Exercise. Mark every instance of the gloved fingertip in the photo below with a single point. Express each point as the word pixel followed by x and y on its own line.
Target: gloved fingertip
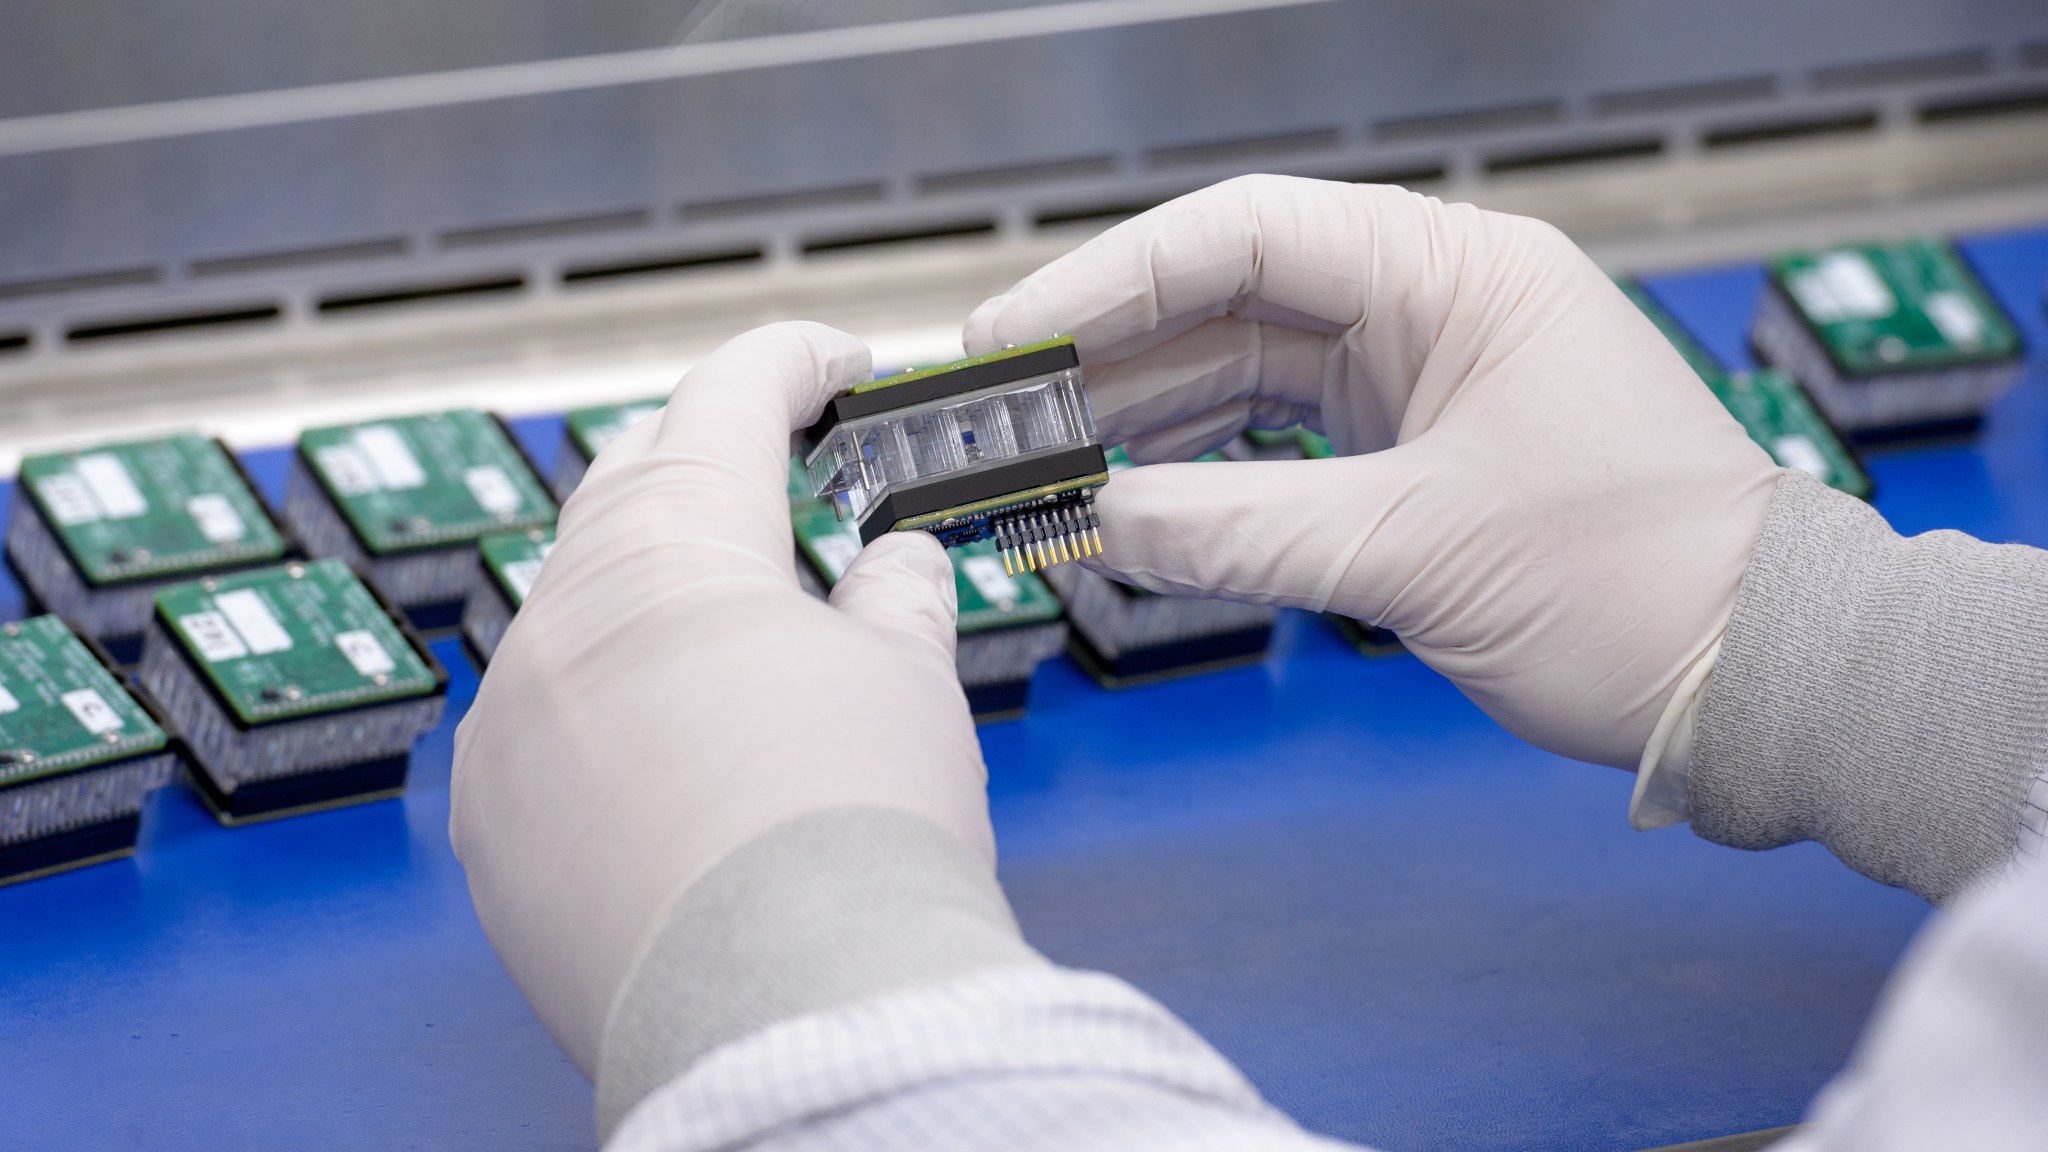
pixel 978 335
pixel 902 582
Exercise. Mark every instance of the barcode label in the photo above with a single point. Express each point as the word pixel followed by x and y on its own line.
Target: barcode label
pixel 987 575
pixel 520 575
pixel 348 471
pixel 493 490
pixel 92 710
pixel 217 519
pixel 251 617
pixel 68 499
pixel 1801 454
pixel 395 465
pixel 112 488
pixel 363 651
pixel 1842 286
pixel 835 552
pixel 209 632
pixel 1957 318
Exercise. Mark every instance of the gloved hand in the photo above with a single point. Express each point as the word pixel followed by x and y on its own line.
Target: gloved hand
pixel 667 693
pixel 1535 492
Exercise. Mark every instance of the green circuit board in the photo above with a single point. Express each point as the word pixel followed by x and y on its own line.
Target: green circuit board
pixel 1910 306
pixel 594 427
pixel 294 640
pixel 60 709
pixel 1696 354
pixel 513 559
pixel 989 597
pixel 1778 415
pixel 427 481
pixel 141 509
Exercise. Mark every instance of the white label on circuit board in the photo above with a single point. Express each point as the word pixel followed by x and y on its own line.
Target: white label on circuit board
pixel 68 499
pixel 521 574
pixel 987 575
pixel 346 469
pixel 1957 318
pixel 835 552
pixel 215 640
pixel 7 701
pixel 251 617
pixel 1801 454
pixel 604 434
pixel 1842 286
pixel 395 465
pixel 92 710
pixel 112 488
pixel 217 519
pixel 364 652
pixel 493 490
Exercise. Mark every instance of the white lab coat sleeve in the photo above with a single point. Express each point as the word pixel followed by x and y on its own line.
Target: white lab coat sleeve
pixel 854 979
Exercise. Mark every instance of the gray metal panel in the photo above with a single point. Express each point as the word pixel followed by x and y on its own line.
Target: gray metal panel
pixel 999 132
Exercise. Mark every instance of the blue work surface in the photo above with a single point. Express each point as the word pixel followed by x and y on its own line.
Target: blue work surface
pixel 1405 926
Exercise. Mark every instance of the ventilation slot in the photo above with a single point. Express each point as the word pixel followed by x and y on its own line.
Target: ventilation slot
pixel 907 236
pixel 1404 175
pixel 422 294
pixel 1465 123
pixel 1983 107
pixel 82 282
pixel 531 230
pixel 149 325
pixel 1844 123
pixel 983 179
pixel 1106 212
pixel 1587 153
pixel 301 257
pixel 13 341
pixel 1243 148
pixel 660 265
pixel 786 201
pixel 1679 97
pixel 1909 70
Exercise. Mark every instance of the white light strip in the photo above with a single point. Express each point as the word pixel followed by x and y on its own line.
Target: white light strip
pixel 169 118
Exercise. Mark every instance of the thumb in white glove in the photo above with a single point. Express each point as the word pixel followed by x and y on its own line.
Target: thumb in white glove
pixel 667 692
pixel 1540 497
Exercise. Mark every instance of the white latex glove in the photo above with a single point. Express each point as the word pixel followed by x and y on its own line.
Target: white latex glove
pixel 667 693
pixel 1536 493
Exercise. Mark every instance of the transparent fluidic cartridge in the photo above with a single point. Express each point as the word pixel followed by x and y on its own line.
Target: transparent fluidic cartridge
pixel 998 447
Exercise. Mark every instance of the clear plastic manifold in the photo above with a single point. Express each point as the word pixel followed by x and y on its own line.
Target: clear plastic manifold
pixel 953 450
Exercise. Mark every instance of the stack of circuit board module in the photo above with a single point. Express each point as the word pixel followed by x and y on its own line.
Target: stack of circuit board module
pixel 1009 621
pixel 94 533
pixel 294 687
pixel 1894 341
pixel 999 447
pixel 585 432
pixel 405 500
pixel 1124 635
pixel 1770 405
pixel 511 562
pixel 78 753
pixel 1298 443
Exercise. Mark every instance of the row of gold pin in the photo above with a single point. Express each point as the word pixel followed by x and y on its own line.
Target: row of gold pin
pixel 1033 540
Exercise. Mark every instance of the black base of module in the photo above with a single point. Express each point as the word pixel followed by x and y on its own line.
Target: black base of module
pixel 93 844
pixel 339 787
pixel 991 703
pixel 438 616
pixel 1929 433
pixel 1173 660
pixel 1368 640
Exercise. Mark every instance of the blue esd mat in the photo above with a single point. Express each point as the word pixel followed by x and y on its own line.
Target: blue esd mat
pixel 1405 926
